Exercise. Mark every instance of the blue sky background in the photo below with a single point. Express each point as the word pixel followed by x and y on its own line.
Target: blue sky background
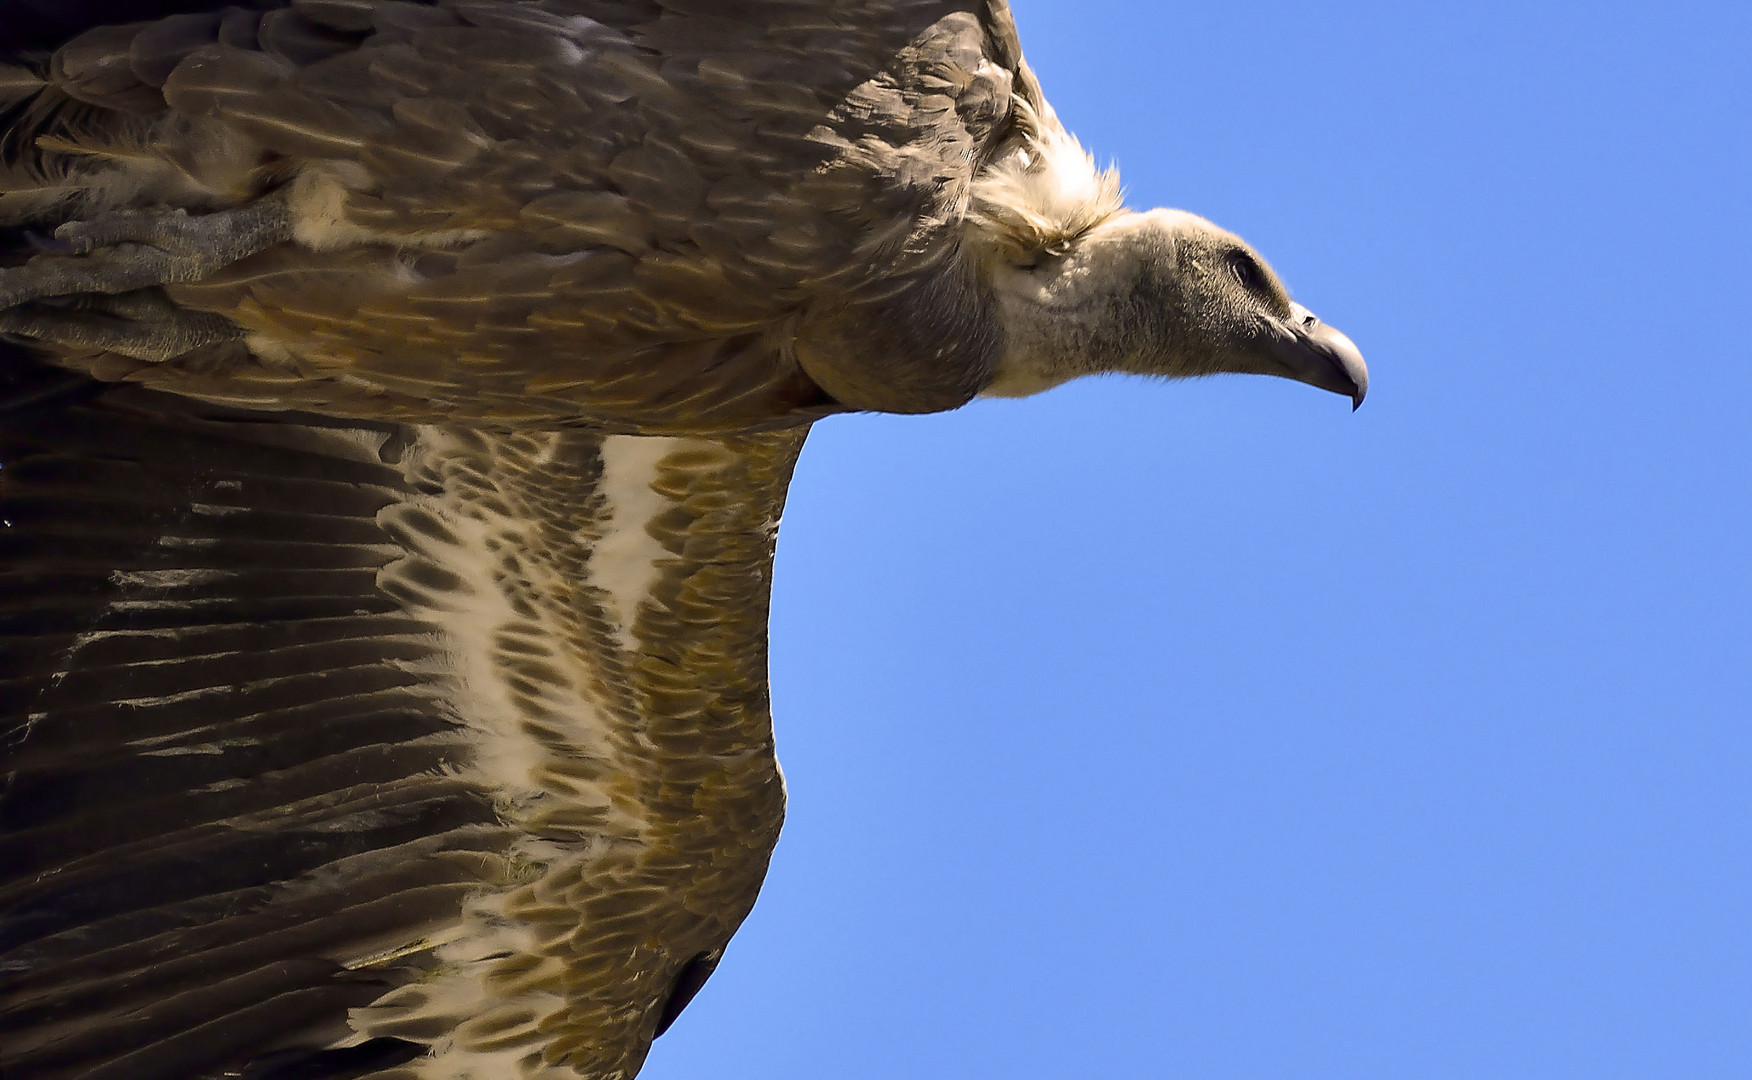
pixel 1208 730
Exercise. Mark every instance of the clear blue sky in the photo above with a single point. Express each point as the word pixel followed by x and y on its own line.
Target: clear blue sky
pixel 1210 731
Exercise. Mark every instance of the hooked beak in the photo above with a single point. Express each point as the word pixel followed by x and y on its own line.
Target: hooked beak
pixel 1310 351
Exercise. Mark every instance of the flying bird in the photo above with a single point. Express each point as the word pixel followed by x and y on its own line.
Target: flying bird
pixel 398 414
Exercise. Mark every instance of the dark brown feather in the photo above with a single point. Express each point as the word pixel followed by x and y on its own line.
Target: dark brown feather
pixel 764 167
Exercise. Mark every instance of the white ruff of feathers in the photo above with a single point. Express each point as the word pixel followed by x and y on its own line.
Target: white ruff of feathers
pixel 1037 199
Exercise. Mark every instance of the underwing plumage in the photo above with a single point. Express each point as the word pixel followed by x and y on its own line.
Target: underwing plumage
pixel 397 401
pixel 322 734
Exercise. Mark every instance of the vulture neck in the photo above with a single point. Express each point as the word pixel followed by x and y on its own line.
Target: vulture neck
pixel 1099 307
pixel 1033 218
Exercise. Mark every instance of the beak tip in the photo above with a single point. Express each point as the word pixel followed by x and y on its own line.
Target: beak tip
pixel 1350 362
pixel 1320 355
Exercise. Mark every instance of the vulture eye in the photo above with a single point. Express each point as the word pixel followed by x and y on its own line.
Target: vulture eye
pixel 1247 272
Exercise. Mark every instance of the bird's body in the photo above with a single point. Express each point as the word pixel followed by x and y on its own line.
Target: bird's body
pixel 425 729
pixel 652 218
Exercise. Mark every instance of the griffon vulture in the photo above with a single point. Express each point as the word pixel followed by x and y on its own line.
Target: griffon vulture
pixel 399 406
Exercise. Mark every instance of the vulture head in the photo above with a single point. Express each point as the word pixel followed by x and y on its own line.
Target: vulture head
pixel 1084 286
pixel 1160 293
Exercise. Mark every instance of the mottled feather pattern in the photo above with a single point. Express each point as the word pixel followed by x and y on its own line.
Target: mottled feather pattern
pixel 673 201
pixel 629 742
pixel 493 810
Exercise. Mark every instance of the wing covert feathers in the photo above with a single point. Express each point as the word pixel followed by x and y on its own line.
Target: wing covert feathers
pixel 334 748
pixel 654 215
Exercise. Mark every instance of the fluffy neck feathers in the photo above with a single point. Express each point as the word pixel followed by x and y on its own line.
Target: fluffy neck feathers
pixel 1042 194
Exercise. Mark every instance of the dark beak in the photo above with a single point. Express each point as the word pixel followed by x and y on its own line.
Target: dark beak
pixel 1310 351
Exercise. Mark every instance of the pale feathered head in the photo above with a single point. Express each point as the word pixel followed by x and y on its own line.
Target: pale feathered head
pixel 1085 286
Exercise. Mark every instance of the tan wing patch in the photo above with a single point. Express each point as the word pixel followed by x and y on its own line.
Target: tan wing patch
pixel 603 601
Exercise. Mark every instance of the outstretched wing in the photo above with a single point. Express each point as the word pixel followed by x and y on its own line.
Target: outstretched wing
pixel 663 215
pixel 333 747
